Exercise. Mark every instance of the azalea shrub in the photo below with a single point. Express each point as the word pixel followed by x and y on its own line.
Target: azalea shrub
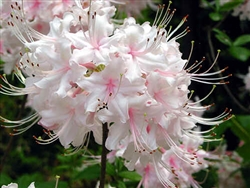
pixel 124 93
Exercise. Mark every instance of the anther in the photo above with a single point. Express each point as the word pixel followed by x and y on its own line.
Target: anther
pixel 185 18
pixel 213 134
pixel 224 69
pixel 35 137
pixel 226 110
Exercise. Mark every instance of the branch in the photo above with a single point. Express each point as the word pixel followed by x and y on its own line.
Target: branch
pixel 104 154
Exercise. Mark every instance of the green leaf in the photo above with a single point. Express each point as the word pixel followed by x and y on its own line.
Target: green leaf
pixel 89 173
pixel 211 177
pixel 51 184
pixel 110 169
pixel 230 5
pixel 244 152
pixel 207 4
pixel 4 179
pixel 130 175
pixel 239 53
pixel 241 127
pixel 1 61
pixel 241 40
pixel 121 184
pixel 217 4
pixel 25 180
pixel 245 170
pixel 215 16
pixel 244 120
pixel 119 163
pixel 223 37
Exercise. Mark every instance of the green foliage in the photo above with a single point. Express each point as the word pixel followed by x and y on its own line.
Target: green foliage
pixel 223 37
pixel 120 174
pixel 242 40
pixel 4 179
pixel 239 53
pixel 209 177
pixel 26 179
pixel 215 16
pixel 121 184
pixel 130 175
pixel 241 127
pixel 235 47
pixel 245 170
pixel 89 173
pixel 230 5
pixel 51 184
pixel 219 11
pixel 244 152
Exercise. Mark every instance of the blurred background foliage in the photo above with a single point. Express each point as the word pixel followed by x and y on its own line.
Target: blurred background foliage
pixel 213 27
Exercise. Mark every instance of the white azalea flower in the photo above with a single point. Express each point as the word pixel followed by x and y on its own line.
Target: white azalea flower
pixel 14 185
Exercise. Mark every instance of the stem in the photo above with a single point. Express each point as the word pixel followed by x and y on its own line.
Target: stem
pixel 104 154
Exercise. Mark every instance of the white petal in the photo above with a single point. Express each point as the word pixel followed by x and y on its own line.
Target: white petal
pixel 11 185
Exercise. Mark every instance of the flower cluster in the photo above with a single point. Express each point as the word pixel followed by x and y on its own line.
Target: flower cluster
pixel 38 14
pixel 88 71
